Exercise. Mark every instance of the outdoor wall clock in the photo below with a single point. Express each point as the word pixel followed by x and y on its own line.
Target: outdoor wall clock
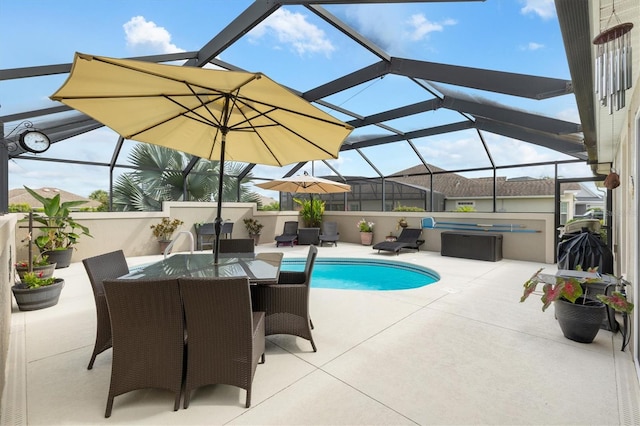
pixel 34 141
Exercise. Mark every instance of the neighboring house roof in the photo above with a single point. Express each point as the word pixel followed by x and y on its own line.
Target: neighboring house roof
pixel 453 185
pixel 585 194
pixel 267 200
pixel 21 196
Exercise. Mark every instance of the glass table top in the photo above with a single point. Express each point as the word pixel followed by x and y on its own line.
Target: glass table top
pixel 262 267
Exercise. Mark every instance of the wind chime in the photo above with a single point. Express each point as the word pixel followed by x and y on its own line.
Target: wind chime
pixel 613 63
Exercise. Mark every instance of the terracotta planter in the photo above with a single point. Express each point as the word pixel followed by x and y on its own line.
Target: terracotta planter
pixel 366 238
pixel 45 270
pixel 62 258
pixel 31 299
pixel 580 322
pixel 163 246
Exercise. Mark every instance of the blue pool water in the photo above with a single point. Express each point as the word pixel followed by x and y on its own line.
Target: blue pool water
pixel 364 274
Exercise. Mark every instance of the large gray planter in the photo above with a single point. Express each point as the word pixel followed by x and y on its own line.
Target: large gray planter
pixel 580 321
pixel 62 258
pixel 31 299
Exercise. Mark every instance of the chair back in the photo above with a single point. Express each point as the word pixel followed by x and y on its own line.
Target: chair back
pixel 329 228
pixel 409 235
pixel 218 316
pixel 105 266
pixel 206 229
pixel 225 338
pixel 237 245
pixel 311 260
pixel 227 229
pixel 290 228
pixel 147 327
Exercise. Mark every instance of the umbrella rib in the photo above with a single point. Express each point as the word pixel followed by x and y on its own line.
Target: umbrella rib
pixel 275 123
pixel 273 107
pixel 213 122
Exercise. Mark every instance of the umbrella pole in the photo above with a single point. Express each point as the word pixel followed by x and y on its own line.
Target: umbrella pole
pixel 218 222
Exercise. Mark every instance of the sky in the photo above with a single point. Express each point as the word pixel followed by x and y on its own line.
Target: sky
pixel 299 50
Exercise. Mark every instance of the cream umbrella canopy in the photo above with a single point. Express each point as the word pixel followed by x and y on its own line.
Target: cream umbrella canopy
pixel 305 184
pixel 212 114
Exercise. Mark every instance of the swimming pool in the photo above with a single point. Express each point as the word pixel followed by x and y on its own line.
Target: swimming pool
pixel 364 274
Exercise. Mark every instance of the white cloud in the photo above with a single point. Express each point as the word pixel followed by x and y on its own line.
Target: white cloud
pixel 145 37
pixel 373 21
pixel 421 27
pixel 532 46
pixel 543 8
pixel 293 29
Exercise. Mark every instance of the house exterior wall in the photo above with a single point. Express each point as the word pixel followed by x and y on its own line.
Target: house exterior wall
pixel 626 159
pixel 7 277
pixel 627 207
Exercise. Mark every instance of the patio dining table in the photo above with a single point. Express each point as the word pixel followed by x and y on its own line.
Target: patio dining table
pixel 260 268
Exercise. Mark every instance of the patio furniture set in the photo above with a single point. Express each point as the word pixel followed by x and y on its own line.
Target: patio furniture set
pixel 291 234
pixel 196 322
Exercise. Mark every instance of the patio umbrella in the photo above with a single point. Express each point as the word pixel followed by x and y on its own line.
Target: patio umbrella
pixel 306 184
pixel 213 114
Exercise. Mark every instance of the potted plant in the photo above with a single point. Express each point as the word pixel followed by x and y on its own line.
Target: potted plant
pixel 59 231
pixel 34 291
pixel 311 211
pixel 253 228
pixel 39 265
pixel 579 316
pixel 366 232
pixel 164 230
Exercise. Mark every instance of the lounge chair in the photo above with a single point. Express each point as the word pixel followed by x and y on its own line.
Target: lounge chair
pixel 409 238
pixel 289 234
pixel 330 233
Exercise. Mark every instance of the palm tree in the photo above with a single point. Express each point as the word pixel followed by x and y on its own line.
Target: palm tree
pixel 158 177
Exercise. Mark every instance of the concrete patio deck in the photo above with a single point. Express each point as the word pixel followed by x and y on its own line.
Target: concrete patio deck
pixel 460 351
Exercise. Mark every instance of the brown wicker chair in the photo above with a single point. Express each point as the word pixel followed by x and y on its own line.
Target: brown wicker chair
pixel 105 266
pixel 225 338
pixel 147 323
pixel 286 304
pixel 237 245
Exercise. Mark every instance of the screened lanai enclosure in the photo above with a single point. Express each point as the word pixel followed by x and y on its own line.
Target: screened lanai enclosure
pixel 475 126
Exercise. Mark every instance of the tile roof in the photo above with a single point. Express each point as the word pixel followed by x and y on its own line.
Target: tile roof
pixel 454 185
pixel 21 196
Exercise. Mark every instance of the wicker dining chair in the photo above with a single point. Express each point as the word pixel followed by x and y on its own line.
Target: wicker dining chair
pixel 147 323
pixel 237 245
pixel 105 266
pixel 225 338
pixel 286 304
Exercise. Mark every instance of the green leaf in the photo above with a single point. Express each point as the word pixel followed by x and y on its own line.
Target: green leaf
pixel 616 301
pixel 571 289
